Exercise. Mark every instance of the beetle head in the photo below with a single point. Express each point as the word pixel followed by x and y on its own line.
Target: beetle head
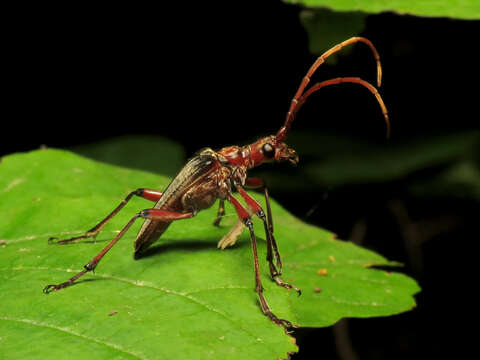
pixel 270 149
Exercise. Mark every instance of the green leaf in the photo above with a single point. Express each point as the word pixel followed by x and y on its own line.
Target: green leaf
pixel 326 29
pixel 461 9
pixel 186 299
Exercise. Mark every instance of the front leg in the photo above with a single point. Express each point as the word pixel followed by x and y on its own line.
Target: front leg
pixel 272 248
pixel 244 216
pixel 231 237
pixel 271 243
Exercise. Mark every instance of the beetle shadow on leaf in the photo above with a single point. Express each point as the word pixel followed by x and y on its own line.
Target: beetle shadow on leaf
pixel 189 246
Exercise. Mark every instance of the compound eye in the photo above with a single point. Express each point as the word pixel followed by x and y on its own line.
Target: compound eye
pixel 268 150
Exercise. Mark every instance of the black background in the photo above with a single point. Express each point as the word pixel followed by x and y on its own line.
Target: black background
pixel 212 76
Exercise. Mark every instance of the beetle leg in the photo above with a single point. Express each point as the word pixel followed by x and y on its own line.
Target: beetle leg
pixel 245 217
pixel 164 215
pixel 230 238
pixel 92 264
pixel 257 209
pixel 148 194
pixel 255 183
pixel 152 214
pixel 272 245
pixel 220 213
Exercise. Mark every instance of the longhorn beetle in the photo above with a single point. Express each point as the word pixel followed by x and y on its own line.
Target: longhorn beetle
pixel 212 175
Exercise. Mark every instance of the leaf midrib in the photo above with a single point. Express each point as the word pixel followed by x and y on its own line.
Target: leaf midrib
pixel 68 331
pixel 140 283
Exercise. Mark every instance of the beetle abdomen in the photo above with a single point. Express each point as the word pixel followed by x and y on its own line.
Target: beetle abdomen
pixel 199 167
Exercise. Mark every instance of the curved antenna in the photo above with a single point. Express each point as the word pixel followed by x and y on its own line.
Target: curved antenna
pixel 335 81
pixel 282 133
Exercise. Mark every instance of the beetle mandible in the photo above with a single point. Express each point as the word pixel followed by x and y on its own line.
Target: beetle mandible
pixel 212 175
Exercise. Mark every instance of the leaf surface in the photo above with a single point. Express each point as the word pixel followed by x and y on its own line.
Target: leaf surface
pixel 185 298
pixel 462 9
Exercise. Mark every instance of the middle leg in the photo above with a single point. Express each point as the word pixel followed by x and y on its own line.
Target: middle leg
pixel 220 213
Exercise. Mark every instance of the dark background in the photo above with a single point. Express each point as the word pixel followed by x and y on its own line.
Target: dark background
pixel 214 76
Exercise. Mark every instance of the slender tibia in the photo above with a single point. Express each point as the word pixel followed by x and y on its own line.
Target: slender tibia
pixel 245 217
pixel 148 194
pixel 258 285
pixel 92 264
pixel 272 248
pixel 255 183
pixel 152 214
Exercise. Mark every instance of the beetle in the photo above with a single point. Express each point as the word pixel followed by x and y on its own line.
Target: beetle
pixel 210 175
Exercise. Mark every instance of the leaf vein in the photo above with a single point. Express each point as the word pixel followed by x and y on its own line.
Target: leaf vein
pixel 71 332
pixel 185 295
pixel 227 287
pixel 48 235
pixel 355 303
pixel 140 283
